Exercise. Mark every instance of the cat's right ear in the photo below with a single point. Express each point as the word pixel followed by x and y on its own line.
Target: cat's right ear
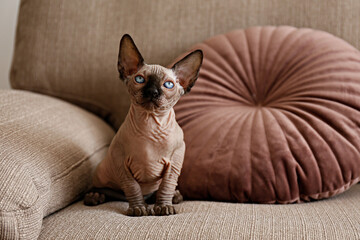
pixel 130 59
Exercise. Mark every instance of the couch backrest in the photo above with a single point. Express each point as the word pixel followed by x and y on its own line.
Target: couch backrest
pixel 69 49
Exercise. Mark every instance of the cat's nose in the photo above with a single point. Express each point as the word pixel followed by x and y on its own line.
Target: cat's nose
pixel 152 93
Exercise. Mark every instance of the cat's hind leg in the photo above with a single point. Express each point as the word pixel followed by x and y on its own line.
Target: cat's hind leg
pixel 178 198
pixel 98 196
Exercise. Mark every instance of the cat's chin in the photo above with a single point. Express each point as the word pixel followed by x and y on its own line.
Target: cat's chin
pixel 150 105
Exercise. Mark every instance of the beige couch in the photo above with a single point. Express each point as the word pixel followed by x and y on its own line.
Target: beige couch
pixel 49 145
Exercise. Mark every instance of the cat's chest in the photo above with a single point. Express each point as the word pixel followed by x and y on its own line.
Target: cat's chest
pixel 148 155
pixel 148 159
pixel 148 145
pixel 151 140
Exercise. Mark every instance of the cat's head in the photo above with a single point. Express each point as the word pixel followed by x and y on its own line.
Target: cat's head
pixel 154 87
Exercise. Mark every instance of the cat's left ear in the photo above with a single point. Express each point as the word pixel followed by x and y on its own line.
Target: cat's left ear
pixel 130 59
pixel 187 69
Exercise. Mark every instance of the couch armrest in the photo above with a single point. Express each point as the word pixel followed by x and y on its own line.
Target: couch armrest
pixel 48 149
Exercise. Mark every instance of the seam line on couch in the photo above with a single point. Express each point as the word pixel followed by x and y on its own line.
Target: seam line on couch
pixel 79 163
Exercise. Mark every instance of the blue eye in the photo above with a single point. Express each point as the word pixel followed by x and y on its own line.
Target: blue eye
pixel 169 84
pixel 139 79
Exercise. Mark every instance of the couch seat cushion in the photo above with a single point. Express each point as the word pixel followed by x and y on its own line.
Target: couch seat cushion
pixel 335 218
pixel 273 117
pixel 48 149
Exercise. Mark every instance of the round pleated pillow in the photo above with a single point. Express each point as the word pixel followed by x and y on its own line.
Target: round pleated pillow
pixel 273 117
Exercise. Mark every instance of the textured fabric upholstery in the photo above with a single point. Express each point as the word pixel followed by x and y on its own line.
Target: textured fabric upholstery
pixel 68 49
pixel 331 219
pixel 273 117
pixel 48 149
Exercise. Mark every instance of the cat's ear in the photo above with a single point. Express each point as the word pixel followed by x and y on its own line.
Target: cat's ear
pixel 130 59
pixel 187 69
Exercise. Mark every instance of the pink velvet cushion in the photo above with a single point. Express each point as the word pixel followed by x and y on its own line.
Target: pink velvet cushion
pixel 273 117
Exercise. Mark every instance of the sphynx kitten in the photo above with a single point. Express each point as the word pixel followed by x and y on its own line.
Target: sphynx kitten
pixel 146 155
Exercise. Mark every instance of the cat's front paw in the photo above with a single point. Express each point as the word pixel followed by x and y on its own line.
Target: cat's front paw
pixel 164 210
pixel 138 211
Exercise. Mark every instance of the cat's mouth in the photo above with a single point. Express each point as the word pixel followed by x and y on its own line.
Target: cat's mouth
pixel 150 104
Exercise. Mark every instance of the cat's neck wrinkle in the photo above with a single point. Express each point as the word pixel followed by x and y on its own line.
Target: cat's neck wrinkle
pixel 151 123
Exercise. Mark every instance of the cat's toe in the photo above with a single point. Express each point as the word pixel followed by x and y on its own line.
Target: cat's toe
pixel 137 211
pixel 178 198
pixel 164 210
pixel 94 198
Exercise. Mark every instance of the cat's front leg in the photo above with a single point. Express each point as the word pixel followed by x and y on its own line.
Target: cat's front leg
pixel 133 194
pixel 165 194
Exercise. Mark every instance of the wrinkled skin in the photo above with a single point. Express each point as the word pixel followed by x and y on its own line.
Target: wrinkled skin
pixel 147 152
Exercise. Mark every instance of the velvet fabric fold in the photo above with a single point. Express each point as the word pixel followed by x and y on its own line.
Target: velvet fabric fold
pixel 273 117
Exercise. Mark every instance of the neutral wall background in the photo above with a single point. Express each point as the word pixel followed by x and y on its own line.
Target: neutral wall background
pixel 8 16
